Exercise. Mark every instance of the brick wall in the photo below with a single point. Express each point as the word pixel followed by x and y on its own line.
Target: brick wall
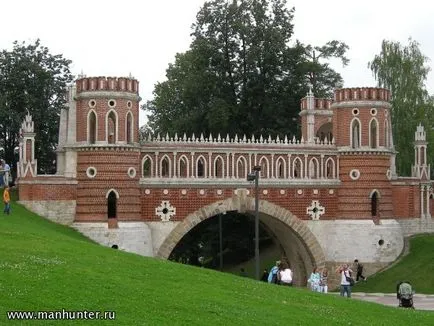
pixel 193 199
pixel 92 192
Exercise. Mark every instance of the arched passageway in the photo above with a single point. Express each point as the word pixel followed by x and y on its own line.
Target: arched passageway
pixel 297 242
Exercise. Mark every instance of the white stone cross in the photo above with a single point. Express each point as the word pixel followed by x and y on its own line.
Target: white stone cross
pixel 315 210
pixel 165 211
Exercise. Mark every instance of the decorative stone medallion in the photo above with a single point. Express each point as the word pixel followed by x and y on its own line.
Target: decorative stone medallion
pixel 315 210
pixel 165 192
pixel 282 191
pixel 219 192
pixel 165 211
pixel 147 191
pixel 265 192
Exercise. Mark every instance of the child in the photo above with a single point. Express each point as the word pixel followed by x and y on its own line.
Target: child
pixel 7 200
pixel 314 280
pixel 323 282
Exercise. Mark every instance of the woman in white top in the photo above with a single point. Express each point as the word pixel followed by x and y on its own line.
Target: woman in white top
pixel 345 272
pixel 285 275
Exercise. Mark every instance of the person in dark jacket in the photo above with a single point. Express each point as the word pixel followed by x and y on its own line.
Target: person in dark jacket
pixel 359 270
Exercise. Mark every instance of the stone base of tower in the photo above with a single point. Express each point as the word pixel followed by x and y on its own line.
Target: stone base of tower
pixel 58 211
pixel 135 237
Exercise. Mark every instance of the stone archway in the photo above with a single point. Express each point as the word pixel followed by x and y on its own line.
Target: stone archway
pixel 298 241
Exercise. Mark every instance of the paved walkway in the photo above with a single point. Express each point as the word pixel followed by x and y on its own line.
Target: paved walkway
pixel 420 301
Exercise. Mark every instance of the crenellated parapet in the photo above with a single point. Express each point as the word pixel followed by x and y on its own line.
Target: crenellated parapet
pixel 362 94
pixel 318 104
pixel 112 84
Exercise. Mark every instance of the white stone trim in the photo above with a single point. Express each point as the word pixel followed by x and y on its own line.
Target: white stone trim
pixel 107 94
pixel 375 191
pixel 109 191
pixel 264 162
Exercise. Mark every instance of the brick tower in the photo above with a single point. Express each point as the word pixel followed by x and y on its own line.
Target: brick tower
pixel 362 129
pixel 99 146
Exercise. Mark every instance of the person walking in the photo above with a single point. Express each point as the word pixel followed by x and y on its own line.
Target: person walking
pixel 7 200
pixel 359 270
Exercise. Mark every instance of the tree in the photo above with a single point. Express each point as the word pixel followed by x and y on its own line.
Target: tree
pixel 33 80
pixel 240 75
pixel 322 78
pixel 403 70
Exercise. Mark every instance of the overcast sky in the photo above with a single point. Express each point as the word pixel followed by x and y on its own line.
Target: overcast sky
pixel 116 38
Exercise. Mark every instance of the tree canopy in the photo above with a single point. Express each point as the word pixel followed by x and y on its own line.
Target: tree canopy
pixel 32 79
pixel 240 74
pixel 403 69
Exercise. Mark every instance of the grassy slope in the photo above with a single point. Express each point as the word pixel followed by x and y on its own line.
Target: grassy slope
pixel 44 266
pixel 417 268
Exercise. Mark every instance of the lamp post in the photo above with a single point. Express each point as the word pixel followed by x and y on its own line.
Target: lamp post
pixel 221 241
pixel 254 176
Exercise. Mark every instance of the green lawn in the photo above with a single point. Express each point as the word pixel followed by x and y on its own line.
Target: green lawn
pixel 417 268
pixel 44 266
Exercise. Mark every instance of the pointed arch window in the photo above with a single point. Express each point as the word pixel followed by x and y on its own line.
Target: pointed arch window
pixel 373 134
pixel 183 167
pixel 374 204
pixel 112 205
pixel 165 167
pixel 356 134
pixel 111 127
pixel 201 168
pixel 298 168
pixel 92 129
pixel 147 168
pixel 241 168
pixel 263 163
pixel 330 168
pixel 129 128
pixel 280 168
pixel 218 167
pixel 313 168
pixel 386 134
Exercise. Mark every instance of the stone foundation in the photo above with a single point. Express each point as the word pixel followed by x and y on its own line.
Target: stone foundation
pixel 417 226
pixel 58 211
pixel 133 237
